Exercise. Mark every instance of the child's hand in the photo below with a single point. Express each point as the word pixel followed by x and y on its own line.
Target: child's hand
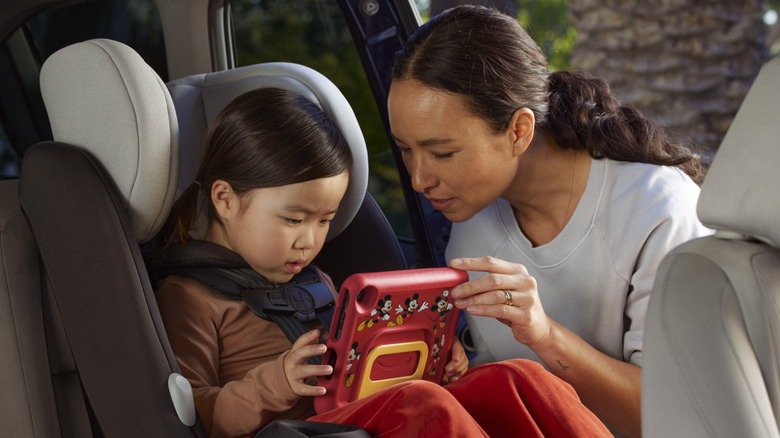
pixel 297 370
pixel 458 365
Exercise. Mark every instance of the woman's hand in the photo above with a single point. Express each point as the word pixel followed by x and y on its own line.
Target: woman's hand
pixel 458 364
pixel 508 293
pixel 298 371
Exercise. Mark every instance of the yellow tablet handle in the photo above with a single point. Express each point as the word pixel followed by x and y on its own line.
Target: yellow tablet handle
pixel 368 386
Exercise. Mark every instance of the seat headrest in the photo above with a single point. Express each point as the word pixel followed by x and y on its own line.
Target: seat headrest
pixel 199 98
pixel 739 192
pixel 101 96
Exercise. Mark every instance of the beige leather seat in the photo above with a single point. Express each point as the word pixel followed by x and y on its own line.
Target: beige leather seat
pixel 712 343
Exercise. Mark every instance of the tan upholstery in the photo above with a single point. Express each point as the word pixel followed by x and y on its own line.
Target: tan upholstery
pixel 712 342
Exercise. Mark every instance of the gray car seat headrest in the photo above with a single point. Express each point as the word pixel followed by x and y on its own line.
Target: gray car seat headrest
pixel 199 98
pixel 744 176
pixel 100 95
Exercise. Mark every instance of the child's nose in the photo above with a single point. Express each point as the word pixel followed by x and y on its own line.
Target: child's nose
pixel 306 239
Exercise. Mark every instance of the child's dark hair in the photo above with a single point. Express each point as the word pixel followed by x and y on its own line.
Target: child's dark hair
pixel 267 137
pixel 487 58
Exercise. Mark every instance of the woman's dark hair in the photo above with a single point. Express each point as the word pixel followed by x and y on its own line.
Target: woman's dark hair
pixel 487 58
pixel 267 137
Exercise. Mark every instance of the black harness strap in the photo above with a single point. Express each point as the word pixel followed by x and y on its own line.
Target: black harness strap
pixel 293 305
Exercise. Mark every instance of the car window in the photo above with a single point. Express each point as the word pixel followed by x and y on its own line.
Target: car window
pixel 314 33
pixel 23 120
pixel 133 22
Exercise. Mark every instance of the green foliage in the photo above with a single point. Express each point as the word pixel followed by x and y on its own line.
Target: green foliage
pixel 547 21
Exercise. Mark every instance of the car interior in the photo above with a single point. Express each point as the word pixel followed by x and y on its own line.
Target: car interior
pixel 712 340
pixel 103 188
pixel 85 354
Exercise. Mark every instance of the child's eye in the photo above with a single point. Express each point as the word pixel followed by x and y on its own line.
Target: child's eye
pixel 326 221
pixel 292 221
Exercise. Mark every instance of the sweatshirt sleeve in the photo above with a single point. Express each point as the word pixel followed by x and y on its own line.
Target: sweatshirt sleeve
pixel 678 224
pixel 237 407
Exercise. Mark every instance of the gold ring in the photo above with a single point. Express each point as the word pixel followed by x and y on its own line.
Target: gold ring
pixel 508 296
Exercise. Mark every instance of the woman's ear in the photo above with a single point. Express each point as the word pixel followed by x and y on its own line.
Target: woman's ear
pixel 521 130
pixel 224 199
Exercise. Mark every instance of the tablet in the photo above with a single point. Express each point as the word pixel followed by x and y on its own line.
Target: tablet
pixel 389 327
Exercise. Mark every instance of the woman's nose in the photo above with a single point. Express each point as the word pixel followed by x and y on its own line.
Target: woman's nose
pixel 422 178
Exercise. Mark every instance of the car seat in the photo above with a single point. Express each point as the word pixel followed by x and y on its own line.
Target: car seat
pixel 368 243
pixel 92 197
pixel 27 402
pixel 105 184
pixel 712 340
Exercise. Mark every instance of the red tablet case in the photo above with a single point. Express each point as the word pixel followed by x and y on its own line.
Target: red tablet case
pixel 389 327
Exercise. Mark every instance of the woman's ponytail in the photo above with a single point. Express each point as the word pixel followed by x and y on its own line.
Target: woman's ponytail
pixel 584 115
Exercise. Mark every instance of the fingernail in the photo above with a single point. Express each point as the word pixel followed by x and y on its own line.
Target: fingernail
pixel 460 303
pixel 456 262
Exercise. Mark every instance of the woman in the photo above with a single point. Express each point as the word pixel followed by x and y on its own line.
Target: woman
pixel 564 200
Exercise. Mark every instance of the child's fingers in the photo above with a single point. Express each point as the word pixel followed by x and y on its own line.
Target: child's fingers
pixel 302 354
pixel 305 390
pixel 300 374
pixel 307 338
pixel 317 370
pixel 458 364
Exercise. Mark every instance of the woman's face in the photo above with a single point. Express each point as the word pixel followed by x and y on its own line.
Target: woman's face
pixel 453 157
pixel 279 230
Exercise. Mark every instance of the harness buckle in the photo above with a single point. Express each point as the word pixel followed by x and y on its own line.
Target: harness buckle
pixel 302 301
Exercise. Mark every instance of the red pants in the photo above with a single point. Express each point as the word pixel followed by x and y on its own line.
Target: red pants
pixel 516 398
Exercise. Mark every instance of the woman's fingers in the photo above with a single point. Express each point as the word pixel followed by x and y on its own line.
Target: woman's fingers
pixel 529 324
pixel 506 292
pixel 485 264
pixel 500 275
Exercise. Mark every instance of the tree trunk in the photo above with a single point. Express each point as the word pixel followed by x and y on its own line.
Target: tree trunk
pixel 686 64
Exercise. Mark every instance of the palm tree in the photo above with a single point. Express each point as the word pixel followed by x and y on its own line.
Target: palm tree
pixel 688 64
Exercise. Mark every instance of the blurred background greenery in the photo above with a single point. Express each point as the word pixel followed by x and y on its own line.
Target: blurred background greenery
pixel 570 32
pixel 313 33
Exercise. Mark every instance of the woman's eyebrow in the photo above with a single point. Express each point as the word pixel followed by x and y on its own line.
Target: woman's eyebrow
pixel 428 141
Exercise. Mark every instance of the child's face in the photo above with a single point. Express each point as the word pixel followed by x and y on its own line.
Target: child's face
pixel 280 230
